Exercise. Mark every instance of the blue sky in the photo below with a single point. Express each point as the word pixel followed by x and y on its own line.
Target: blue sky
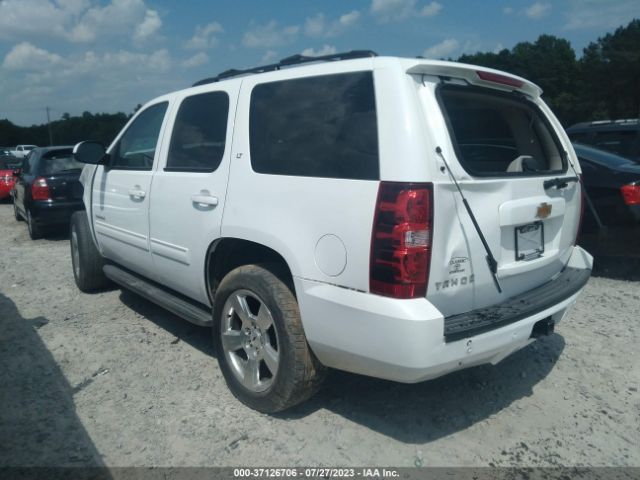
pixel 110 55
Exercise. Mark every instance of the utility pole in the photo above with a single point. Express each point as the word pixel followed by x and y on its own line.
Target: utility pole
pixel 49 125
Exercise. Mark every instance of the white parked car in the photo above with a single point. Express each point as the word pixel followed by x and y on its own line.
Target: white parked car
pixel 21 151
pixel 393 217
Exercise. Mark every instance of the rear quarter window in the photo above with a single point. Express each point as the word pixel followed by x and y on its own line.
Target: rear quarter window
pixel 324 126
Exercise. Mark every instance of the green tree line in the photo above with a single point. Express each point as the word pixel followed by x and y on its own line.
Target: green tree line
pixel 66 131
pixel 604 83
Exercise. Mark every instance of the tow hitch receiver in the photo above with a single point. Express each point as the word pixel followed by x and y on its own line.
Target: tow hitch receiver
pixel 542 328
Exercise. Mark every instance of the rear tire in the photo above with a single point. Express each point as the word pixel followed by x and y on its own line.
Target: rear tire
pixel 85 257
pixel 35 231
pixel 16 214
pixel 257 329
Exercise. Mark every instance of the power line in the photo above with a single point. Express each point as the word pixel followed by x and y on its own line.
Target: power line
pixel 49 126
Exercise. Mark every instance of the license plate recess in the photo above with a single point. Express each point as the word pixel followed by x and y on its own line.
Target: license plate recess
pixel 529 241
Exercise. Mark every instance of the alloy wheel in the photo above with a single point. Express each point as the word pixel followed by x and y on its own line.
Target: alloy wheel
pixel 250 340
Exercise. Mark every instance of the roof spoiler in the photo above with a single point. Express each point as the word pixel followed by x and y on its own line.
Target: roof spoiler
pixel 476 75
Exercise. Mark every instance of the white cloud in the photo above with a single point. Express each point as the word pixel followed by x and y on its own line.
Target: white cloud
pixel 507 10
pixel 26 56
pixel 315 26
pixel 148 27
pixel 430 10
pixel 198 59
pixel 270 35
pixel 442 49
pixel 269 56
pixel 205 37
pixel 395 10
pixel 325 50
pixel 122 63
pixel 93 81
pixel 77 20
pixel 585 14
pixel 28 18
pixel 349 19
pixel 319 26
pixel 537 10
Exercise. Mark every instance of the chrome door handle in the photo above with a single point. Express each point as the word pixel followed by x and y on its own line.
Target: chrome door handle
pixel 137 193
pixel 204 200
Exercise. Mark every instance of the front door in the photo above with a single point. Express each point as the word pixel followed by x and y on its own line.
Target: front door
pixel 121 191
pixel 189 189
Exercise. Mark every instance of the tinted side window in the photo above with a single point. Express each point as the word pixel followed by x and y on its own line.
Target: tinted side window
pixel 322 126
pixel 137 147
pixel 199 133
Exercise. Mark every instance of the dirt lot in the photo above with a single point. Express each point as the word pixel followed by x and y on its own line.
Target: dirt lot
pixel 111 379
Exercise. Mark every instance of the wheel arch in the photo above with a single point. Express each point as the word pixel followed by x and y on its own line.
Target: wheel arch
pixel 226 253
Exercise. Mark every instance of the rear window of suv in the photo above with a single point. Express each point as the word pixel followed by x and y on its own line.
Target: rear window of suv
pixel 322 126
pixel 497 134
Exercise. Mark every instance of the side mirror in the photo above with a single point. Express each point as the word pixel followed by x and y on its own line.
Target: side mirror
pixel 90 152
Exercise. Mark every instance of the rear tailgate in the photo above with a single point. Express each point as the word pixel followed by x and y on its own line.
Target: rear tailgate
pixel 507 153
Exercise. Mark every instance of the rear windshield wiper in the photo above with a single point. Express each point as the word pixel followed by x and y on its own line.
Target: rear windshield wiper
pixel 491 260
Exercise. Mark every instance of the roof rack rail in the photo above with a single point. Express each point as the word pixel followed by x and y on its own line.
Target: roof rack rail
pixel 288 62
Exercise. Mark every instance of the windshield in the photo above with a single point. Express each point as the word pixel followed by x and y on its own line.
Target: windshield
pixel 498 134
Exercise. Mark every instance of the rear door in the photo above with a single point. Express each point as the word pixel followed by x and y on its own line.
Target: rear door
pixel 189 188
pixel 505 151
pixel 121 192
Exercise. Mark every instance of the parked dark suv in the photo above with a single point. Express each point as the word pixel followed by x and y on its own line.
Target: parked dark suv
pixel 621 137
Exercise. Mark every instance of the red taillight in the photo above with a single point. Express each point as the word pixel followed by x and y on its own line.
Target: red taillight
pixel 497 78
pixel 40 189
pixel 631 193
pixel 401 240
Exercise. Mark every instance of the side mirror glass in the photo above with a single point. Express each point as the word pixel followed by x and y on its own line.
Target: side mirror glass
pixel 90 152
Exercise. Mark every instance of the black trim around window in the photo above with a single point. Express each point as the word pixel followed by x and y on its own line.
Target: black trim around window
pixel 513 96
pixel 109 165
pixel 190 169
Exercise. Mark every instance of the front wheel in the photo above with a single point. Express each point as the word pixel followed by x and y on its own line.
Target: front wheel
pixel 262 349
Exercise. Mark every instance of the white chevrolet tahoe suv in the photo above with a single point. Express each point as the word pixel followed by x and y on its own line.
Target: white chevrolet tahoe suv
pixel 393 217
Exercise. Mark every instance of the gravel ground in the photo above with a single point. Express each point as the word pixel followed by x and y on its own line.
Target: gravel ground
pixel 110 379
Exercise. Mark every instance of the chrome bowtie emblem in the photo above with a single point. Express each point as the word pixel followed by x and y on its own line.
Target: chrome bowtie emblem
pixel 544 210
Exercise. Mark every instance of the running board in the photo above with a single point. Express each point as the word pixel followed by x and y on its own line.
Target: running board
pixel 160 296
